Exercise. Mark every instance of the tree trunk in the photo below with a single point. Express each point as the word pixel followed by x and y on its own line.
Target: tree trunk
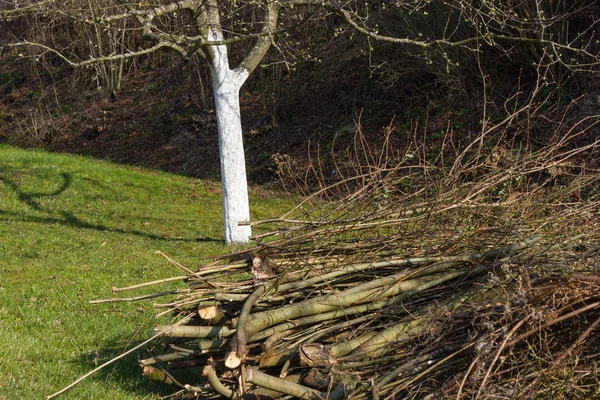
pixel 233 163
pixel 226 88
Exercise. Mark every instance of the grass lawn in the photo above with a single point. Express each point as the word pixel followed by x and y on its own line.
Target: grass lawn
pixel 71 228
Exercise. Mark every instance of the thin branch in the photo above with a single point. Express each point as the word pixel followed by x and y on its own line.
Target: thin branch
pixel 154 11
pixel 487 37
pixel 96 60
pixel 157 282
pixel 124 299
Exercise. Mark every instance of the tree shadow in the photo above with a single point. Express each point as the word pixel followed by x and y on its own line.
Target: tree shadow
pixel 127 370
pixel 72 221
pixel 29 198
pixel 68 218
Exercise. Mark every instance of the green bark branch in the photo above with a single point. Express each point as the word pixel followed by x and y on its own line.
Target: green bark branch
pixel 193 331
pixel 216 384
pixel 261 379
pixel 238 346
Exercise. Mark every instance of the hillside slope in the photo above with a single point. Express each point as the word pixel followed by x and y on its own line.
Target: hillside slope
pixel 71 229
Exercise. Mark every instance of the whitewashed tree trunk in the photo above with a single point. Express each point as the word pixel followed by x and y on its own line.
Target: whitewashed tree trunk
pixel 227 83
pixel 226 88
pixel 233 163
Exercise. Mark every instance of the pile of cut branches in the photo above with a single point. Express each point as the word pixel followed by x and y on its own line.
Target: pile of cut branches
pixel 477 325
pixel 475 278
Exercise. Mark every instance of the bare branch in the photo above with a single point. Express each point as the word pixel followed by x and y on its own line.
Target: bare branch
pixel 154 12
pixel 488 37
pixel 28 9
pixel 112 57
pixel 261 47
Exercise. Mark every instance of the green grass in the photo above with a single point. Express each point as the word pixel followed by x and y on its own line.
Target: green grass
pixel 71 228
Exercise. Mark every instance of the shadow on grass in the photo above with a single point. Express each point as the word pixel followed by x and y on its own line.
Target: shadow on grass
pixel 72 221
pixel 29 198
pixel 68 218
pixel 126 373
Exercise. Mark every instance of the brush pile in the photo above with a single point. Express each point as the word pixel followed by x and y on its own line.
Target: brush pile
pixel 470 276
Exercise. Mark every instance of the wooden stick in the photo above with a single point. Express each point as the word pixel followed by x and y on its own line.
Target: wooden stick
pixel 175 263
pixel 122 299
pixel 157 282
pixel 286 387
pixel 193 331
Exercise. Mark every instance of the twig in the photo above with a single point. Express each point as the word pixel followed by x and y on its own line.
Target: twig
pixel 555 321
pixel 578 342
pixel 123 299
pixel 464 380
pixel 157 282
pixel 431 368
pixel 175 263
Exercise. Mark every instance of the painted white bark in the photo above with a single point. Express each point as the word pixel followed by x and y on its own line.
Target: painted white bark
pixel 226 87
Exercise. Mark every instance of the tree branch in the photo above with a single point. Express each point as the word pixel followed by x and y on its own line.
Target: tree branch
pixel 489 37
pixel 261 47
pixel 28 9
pixel 153 12
pixel 96 60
